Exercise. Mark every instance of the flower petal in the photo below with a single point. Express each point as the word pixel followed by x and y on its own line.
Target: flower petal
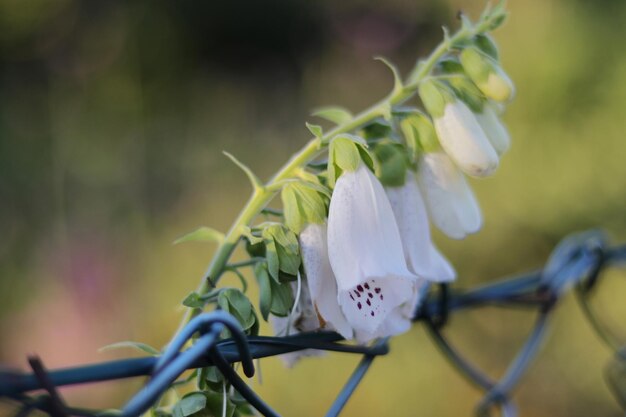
pixel 369 305
pixel 422 257
pixel 320 278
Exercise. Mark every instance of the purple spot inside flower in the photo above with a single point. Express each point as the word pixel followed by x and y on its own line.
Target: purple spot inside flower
pixel 359 305
pixel 381 296
pixel 372 313
pixel 370 295
pixel 359 288
pixel 366 285
pixel 377 290
pixel 368 302
pixel 351 297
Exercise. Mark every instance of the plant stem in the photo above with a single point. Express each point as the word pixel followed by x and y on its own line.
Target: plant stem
pixel 263 195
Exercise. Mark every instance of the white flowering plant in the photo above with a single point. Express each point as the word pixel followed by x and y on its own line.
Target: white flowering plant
pixel 351 249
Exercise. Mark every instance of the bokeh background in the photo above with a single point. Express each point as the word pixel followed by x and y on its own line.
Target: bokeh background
pixel 113 117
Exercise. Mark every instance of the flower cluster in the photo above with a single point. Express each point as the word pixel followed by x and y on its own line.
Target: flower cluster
pixel 352 250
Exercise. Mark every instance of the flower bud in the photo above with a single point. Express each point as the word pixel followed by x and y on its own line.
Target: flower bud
pixel 450 202
pixel 487 74
pixel 458 130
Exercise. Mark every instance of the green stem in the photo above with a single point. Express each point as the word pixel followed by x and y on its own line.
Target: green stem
pixel 263 195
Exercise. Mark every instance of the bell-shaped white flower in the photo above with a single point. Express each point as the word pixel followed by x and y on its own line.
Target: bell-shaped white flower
pixel 462 137
pixel 375 288
pixel 422 257
pixel 321 281
pixel 495 130
pixel 450 202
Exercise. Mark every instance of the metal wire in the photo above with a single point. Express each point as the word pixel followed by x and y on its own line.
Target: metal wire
pixel 578 261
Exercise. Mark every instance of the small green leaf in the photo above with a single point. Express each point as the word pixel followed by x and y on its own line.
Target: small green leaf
pixel 397 80
pixel 271 254
pixel 282 298
pixel 316 130
pixel 393 163
pixel 287 250
pixel 202 234
pixel 132 345
pixel 303 205
pixel 265 289
pixel 336 115
pixel 247 233
pixel 193 300
pixel 237 304
pixel 192 403
pixel 254 180
pixel 215 404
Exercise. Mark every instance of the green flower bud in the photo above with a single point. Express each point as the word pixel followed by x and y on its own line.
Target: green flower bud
pixel 419 133
pixel 487 75
pixel 435 95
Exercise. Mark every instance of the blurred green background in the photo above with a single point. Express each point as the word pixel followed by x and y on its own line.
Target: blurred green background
pixel 113 117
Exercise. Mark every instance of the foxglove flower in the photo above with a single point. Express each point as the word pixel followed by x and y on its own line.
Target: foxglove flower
pixel 450 201
pixel 458 131
pixel 422 257
pixel 375 290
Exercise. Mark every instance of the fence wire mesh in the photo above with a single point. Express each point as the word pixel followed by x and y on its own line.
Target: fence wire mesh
pixel 576 263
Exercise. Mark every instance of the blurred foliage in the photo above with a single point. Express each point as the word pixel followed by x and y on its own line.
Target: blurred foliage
pixel 113 116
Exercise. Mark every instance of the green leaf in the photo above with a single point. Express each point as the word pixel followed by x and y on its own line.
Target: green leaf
pixel 377 129
pixel 333 114
pixel 247 233
pixel 271 254
pixel 202 234
pixel 316 130
pixel 254 180
pixel 265 289
pixel 132 345
pixel 237 304
pixel 397 80
pixel 393 163
pixel 215 405
pixel 287 248
pixel 282 298
pixel 193 300
pixel 192 403
pixel 303 205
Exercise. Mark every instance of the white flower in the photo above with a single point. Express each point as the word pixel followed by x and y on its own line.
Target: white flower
pixel 375 289
pixel 495 130
pixel 321 279
pixel 450 201
pixel 465 141
pixel 422 257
